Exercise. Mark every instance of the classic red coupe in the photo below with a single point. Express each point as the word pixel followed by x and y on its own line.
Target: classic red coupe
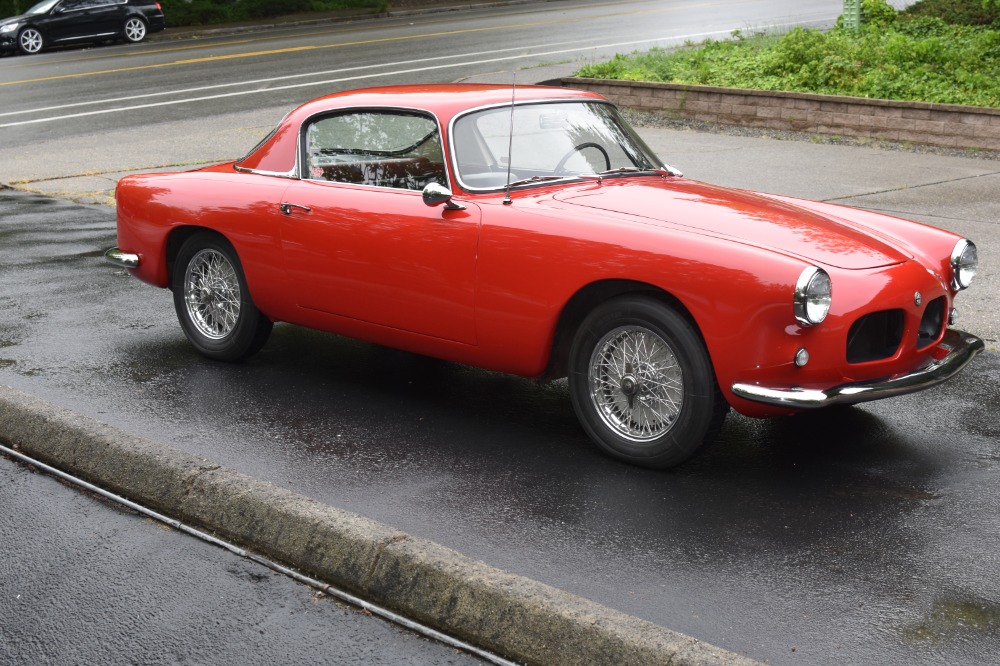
pixel 531 231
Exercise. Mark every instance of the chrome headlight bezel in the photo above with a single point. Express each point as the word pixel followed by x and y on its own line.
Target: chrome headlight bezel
pixel 10 27
pixel 813 296
pixel 964 263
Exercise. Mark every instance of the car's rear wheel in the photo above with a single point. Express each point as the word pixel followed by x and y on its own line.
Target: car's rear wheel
pixel 212 300
pixel 642 383
pixel 30 41
pixel 134 30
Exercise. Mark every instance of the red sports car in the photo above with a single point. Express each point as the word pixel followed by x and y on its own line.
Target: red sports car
pixel 532 231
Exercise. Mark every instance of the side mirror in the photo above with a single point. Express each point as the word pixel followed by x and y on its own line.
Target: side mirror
pixel 435 194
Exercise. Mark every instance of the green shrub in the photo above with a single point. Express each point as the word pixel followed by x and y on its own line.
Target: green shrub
pixel 916 58
pixel 206 12
pixel 957 12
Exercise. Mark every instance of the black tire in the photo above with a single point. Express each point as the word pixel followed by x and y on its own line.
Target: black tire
pixel 134 30
pixel 654 404
pixel 30 41
pixel 212 300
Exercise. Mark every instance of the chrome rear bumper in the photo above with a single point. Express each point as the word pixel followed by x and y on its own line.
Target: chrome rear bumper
pixel 121 259
pixel 959 347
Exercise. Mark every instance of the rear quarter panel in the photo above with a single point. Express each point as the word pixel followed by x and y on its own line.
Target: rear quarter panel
pixel 153 208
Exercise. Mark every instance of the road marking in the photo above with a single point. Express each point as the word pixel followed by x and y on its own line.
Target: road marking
pixel 252 82
pixel 327 82
pixel 365 42
pixel 393 22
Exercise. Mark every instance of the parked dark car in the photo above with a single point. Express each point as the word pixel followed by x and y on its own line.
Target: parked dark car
pixel 58 22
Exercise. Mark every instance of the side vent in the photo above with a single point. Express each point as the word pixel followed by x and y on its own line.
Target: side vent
pixel 932 323
pixel 875 336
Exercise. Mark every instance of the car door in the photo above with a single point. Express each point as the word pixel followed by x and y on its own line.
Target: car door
pixel 104 17
pixel 358 240
pixel 63 21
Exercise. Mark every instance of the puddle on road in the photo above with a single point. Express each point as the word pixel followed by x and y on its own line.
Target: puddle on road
pixel 952 618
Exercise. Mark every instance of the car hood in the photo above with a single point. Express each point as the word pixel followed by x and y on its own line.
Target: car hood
pixel 743 216
pixel 13 19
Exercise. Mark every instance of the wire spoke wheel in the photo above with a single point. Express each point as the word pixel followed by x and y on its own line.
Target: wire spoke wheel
pixel 212 294
pixel 636 383
pixel 213 301
pixel 642 383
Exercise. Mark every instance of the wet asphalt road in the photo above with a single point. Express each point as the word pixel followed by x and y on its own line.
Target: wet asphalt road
pixel 868 535
pixel 865 535
pixel 83 581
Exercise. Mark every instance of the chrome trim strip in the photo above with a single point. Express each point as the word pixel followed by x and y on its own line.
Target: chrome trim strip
pixel 275 174
pixel 121 259
pixel 961 348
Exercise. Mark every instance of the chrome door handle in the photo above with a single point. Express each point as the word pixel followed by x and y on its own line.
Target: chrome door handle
pixel 286 208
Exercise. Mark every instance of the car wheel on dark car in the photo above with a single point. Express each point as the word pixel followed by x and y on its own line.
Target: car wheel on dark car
pixel 642 384
pixel 134 30
pixel 212 300
pixel 30 41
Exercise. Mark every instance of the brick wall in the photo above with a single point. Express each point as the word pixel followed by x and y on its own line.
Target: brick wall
pixel 917 122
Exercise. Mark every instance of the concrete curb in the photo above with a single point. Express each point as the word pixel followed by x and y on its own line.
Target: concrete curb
pixel 513 616
pixel 948 125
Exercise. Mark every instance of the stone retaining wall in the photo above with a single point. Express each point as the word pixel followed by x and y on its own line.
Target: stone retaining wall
pixel 917 122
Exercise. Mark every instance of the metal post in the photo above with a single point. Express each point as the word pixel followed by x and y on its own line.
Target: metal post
pixel 852 14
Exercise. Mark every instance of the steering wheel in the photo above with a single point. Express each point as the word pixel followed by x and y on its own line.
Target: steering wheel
pixel 589 144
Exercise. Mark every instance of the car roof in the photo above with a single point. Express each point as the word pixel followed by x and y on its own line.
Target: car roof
pixel 276 154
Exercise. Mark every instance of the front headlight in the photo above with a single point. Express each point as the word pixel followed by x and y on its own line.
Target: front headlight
pixel 813 294
pixel 964 262
pixel 10 27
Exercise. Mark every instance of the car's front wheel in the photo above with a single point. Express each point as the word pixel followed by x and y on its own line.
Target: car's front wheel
pixel 134 30
pixel 30 41
pixel 212 300
pixel 642 383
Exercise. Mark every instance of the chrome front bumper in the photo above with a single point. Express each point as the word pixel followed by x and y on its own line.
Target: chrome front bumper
pixel 121 259
pixel 960 347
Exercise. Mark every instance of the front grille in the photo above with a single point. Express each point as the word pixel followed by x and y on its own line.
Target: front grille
pixel 875 336
pixel 932 323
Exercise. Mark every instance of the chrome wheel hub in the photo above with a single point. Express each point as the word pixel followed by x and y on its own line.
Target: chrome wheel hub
pixel 636 384
pixel 212 294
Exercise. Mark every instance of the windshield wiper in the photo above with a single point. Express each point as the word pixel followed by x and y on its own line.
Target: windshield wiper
pixel 627 169
pixel 665 171
pixel 537 179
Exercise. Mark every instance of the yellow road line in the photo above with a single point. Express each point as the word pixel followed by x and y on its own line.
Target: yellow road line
pixel 335 31
pixel 254 54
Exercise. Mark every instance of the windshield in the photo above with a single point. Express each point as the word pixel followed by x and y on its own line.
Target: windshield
pixel 550 141
pixel 42 7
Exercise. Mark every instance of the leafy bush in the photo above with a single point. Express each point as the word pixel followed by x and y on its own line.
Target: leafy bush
pixel 958 12
pixel 892 56
pixel 13 7
pixel 206 12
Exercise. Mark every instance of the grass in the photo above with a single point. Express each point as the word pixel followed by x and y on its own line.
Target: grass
pixel 906 56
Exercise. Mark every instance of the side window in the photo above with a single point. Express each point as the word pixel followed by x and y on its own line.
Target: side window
pixel 396 149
